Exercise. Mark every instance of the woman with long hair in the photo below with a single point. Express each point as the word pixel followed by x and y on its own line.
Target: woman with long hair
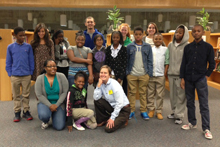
pixel 43 48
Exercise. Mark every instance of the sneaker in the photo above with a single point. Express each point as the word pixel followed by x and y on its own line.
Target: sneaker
pixel 145 116
pixel 78 127
pixel 151 113
pixel 131 115
pixel 159 116
pixel 44 125
pixel 208 134
pixel 171 116
pixel 27 115
pixel 188 126
pixel 17 117
pixel 178 121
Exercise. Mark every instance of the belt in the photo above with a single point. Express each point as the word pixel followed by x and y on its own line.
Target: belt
pixel 126 106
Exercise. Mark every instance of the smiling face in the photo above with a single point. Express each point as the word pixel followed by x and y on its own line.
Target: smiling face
pixel 79 82
pixel 41 33
pixel 179 34
pixel 60 37
pixel 80 41
pixel 90 23
pixel 104 75
pixel 20 37
pixel 51 68
pixel 158 40
pixel 151 30
pixel 116 38
pixel 99 42
pixel 124 31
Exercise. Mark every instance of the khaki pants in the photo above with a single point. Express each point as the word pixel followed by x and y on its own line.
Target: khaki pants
pixel 156 88
pixel 142 82
pixel 177 97
pixel 83 112
pixel 25 82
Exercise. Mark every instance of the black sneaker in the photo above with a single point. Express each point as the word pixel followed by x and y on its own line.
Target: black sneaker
pixel 27 115
pixel 17 117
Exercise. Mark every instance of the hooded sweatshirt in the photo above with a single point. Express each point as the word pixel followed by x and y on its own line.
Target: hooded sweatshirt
pixel 176 53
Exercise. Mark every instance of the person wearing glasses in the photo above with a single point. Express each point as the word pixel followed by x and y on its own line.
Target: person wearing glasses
pixel 51 89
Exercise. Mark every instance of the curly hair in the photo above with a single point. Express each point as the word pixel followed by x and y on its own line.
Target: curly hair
pixel 128 27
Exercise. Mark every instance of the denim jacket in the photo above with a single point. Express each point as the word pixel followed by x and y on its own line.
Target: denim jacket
pixel 146 56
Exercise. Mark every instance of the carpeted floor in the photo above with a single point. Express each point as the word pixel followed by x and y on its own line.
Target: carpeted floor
pixel 138 133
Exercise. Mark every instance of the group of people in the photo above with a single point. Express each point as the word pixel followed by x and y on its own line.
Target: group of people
pixel 62 73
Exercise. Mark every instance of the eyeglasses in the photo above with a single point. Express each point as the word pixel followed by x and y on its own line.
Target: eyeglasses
pixel 51 66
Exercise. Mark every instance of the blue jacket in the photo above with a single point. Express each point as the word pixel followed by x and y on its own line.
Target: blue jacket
pixel 19 60
pixel 146 56
pixel 90 42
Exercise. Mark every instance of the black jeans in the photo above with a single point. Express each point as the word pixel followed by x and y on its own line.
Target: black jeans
pixel 202 90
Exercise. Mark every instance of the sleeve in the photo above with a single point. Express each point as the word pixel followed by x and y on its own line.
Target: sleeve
pixel 183 64
pixel 57 52
pixel 150 63
pixel 69 109
pixel 64 83
pixel 211 61
pixel 52 50
pixel 119 103
pixel 9 62
pixel 123 63
pixel 39 92
pixel 31 60
pixel 167 57
pixel 97 93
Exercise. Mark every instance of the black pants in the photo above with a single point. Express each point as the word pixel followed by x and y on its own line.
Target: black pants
pixel 63 70
pixel 103 112
pixel 125 85
pixel 202 90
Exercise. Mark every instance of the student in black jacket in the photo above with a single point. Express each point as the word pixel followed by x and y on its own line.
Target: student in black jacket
pixel 116 57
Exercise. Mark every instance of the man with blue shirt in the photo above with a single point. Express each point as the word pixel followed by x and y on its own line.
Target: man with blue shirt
pixel 90 32
pixel 20 67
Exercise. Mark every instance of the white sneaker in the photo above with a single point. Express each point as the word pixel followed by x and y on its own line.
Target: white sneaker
pixel 188 127
pixel 208 134
pixel 44 125
pixel 78 127
pixel 170 116
pixel 178 121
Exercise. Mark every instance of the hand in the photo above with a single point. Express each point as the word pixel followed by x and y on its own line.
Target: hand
pixel 53 107
pixel 119 81
pixel 70 128
pixel 90 80
pixel 182 84
pixel 99 83
pixel 89 61
pixel 110 123
pixel 206 77
pixel 57 41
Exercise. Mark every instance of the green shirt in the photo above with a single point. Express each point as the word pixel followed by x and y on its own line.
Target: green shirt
pixel 52 92
pixel 127 41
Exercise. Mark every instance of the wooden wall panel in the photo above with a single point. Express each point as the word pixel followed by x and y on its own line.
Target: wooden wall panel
pixel 110 3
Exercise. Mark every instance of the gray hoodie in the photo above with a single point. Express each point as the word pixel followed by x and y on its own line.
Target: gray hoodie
pixel 176 53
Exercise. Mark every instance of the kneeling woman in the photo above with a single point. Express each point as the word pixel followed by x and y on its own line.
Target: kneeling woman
pixel 113 108
pixel 51 90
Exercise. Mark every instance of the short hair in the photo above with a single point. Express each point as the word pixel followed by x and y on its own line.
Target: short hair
pixel 80 74
pixel 109 69
pixel 121 37
pixel 198 25
pixel 80 33
pixel 96 37
pixel 125 25
pixel 154 26
pixel 138 29
pixel 90 17
pixel 46 62
pixel 158 34
pixel 17 30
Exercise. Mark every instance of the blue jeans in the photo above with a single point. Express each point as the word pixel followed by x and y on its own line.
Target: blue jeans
pixel 58 117
pixel 202 90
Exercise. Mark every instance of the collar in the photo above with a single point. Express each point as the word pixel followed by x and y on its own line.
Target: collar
pixel 83 90
pixel 109 81
pixel 93 33
pixel 100 48
pixel 200 42
pixel 18 43
pixel 118 48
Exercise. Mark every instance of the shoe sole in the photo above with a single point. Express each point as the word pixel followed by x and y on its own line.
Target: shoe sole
pixel 17 120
